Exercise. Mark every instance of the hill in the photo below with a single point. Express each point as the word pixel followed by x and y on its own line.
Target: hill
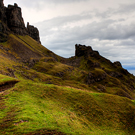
pixel 42 93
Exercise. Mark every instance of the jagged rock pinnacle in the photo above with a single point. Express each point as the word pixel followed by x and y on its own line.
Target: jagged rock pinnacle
pixel 11 19
pixel 14 20
pixel 33 32
pixel 82 50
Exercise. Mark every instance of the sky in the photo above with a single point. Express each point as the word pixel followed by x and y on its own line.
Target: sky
pixel 108 26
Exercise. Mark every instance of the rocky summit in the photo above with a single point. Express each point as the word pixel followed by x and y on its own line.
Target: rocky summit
pixel 12 21
pixel 42 93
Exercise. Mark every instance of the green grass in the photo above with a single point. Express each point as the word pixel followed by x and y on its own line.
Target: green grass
pixel 38 106
pixel 4 79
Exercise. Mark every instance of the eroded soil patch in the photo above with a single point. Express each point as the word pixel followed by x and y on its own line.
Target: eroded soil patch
pixel 7 85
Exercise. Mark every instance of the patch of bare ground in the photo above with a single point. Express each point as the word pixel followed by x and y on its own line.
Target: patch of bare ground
pixel 7 85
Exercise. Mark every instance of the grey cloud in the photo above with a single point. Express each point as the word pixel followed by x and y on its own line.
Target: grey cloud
pixel 126 9
pixel 103 30
pixel 114 41
pixel 42 3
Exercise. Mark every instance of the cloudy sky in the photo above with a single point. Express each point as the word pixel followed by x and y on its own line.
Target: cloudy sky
pixel 106 25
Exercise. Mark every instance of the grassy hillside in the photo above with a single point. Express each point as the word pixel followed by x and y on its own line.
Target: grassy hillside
pixel 30 106
pixel 43 93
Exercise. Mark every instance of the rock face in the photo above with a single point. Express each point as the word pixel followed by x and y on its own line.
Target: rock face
pixel 33 32
pixel 92 78
pixel 3 28
pixel 2 12
pixel 11 20
pixel 3 31
pixel 92 64
pixel 117 64
pixel 15 21
pixel 1 3
pixel 86 51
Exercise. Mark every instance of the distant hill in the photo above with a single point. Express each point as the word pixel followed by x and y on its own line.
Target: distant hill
pixel 42 93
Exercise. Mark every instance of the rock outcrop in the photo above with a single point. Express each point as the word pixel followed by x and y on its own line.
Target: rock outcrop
pixel 92 77
pixel 11 20
pixel 3 32
pixel 117 64
pixel 15 21
pixel 2 12
pixel 86 51
pixel 33 32
pixel 3 20
pixel 1 3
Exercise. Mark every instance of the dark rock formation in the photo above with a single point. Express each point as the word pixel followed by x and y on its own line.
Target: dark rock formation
pixel 86 51
pixel 81 50
pixel 32 62
pixel 3 32
pixel 117 64
pixel 15 21
pixel 2 12
pixel 1 3
pixel 92 64
pixel 33 32
pixel 3 27
pixel 11 20
pixel 114 74
pixel 91 78
pixel 101 88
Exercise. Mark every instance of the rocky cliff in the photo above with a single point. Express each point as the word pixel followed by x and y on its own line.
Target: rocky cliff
pixel 11 20
pixel 33 32
pixel 15 21
pixel 2 11
pixel 82 50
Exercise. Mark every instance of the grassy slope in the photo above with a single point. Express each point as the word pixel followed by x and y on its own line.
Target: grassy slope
pixel 56 98
pixel 46 106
